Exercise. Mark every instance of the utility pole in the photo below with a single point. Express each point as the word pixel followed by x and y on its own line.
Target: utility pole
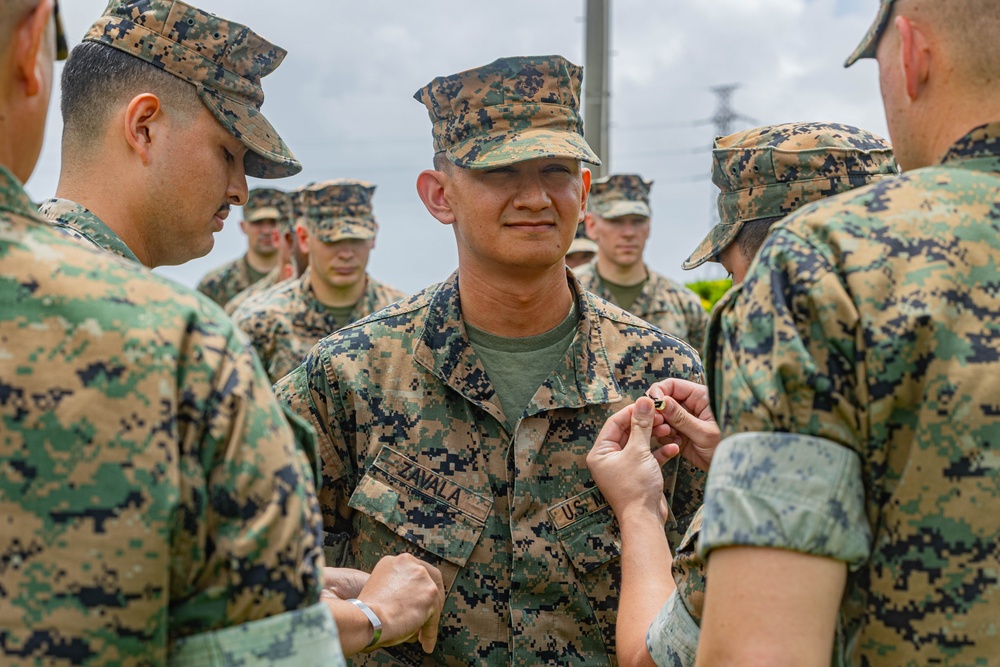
pixel 597 77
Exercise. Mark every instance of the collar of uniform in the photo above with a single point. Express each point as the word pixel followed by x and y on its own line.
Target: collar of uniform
pixel 584 377
pixel 13 198
pixel 68 214
pixel 981 142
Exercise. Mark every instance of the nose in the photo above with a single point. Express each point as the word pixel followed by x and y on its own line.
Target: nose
pixel 531 193
pixel 237 190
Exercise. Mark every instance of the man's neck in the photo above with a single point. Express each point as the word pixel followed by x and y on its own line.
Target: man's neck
pixel 109 209
pixel 261 263
pixel 337 297
pixel 514 307
pixel 632 274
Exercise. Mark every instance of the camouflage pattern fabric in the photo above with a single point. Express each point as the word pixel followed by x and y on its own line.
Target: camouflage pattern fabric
pixel 304 638
pixel 152 488
pixel 62 47
pixel 866 49
pixel 770 171
pixel 267 204
pixel 416 458
pixel 286 323
pixel 580 241
pixel 221 285
pixel 265 284
pixel 619 195
pixel 224 60
pixel 76 221
pixel 869 322
pixel 663 303
pixel 514 109
pixel 337 210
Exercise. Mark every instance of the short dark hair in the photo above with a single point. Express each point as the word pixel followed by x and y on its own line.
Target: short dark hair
pixel 752 235
pixel 441 161
pixel 98 77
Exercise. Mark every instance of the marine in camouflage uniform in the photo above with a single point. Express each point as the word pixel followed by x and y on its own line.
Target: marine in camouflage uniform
pixel 285 323
pixel 418 453
pixel 157 506
pixel 223 61
pixel 263 205
pixel 291 265
pixel 763 175
pixel 857 370
pixel 617 204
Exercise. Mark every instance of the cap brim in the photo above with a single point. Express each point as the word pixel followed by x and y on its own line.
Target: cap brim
pixel 266 213
pixel 62 46
pixel 499 150
pixel 582 245
pixel 268 156
pixel 344 231
pixel 621 208
pixel 708 250
pixel 868 45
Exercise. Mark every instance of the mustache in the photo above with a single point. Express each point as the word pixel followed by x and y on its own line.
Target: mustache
pixel 225 207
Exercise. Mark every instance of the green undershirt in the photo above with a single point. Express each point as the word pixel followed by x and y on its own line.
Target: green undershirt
pixel 341 314
pixel 517 367
pixel 625 295
pixel 253 274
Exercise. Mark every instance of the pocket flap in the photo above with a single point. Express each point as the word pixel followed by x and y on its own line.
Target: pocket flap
pixel 421 506
pixel 587 529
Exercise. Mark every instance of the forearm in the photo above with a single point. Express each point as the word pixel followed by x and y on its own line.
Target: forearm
pixel 647 582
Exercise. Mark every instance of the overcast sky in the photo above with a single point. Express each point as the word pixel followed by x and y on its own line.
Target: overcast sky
pixel 343 98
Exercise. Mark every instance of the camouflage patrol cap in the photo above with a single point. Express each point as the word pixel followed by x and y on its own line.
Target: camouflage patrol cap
pixel 62 48
pixel 866 49
pixel 768 172
pixel 264 204
pixel 580 241
pixel 512 110
pixel 337 210
pixel 224 60
pixel 619 195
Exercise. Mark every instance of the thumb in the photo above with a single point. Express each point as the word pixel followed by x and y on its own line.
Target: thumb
pixel 642 423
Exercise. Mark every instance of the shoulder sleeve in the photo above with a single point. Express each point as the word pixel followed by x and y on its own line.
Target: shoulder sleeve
pixel 310 393
pixel 248 512
pixel 783 374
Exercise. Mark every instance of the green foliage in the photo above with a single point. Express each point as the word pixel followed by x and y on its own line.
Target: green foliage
pixel 710 291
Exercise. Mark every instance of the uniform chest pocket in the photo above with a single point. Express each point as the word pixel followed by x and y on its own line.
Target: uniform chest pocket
pixel 423 507
pixel 587 530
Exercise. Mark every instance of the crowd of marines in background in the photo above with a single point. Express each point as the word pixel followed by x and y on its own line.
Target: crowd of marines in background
pixel 555 456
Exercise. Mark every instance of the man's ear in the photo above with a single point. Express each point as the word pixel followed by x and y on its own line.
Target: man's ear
pixel 243 227
pixel 915 56
pixel 29 40
pixel 302 238
pixel 432 189
pixel 590 226
pixel 142 118
pixel 586 194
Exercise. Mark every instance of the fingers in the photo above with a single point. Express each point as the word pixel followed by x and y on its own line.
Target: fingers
pixel 666 452
pixel 428 634
pixel 641 423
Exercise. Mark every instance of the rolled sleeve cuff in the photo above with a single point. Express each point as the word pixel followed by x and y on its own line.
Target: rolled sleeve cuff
pixel 303 638
pixel 787 491
pixel 672 639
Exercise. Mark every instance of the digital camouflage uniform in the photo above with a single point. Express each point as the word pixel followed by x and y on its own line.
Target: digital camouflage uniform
pixel 763 173
pixel 76 221
pixel 151 489
pixel 663 303
pixel 416 457
pixel 419 457
pixel 857 371
pixel 228 280
pixel 158 506
pixel 284 323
